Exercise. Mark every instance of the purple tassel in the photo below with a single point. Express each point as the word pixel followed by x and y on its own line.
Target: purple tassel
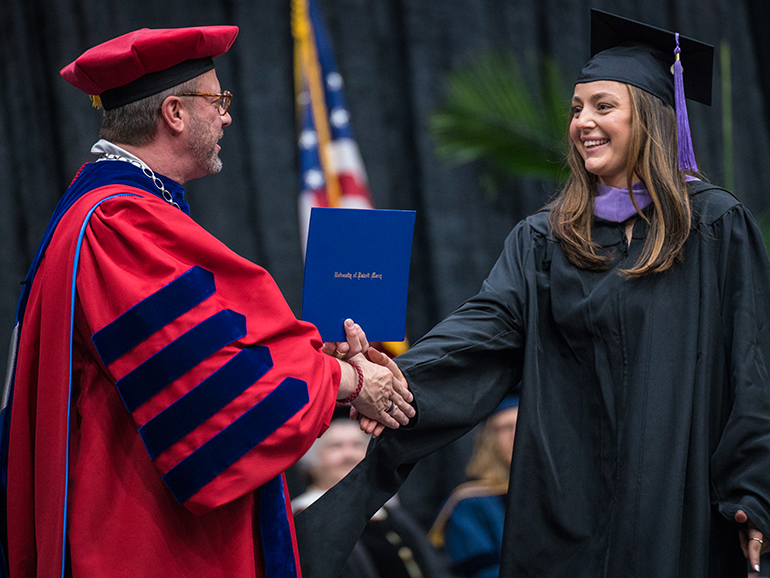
pixel 686 153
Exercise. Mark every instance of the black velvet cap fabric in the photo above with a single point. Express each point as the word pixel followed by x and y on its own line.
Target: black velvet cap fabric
pixel 155 82
pixel 641 55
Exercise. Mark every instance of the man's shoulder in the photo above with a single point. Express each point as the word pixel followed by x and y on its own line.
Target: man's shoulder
pixel 90 198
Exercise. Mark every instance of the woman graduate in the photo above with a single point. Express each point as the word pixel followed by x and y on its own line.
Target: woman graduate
pixel 635 310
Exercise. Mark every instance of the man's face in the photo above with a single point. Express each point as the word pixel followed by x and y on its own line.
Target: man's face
pixel 206 127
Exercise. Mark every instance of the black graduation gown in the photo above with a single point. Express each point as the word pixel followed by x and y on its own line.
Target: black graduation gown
pixel 644 422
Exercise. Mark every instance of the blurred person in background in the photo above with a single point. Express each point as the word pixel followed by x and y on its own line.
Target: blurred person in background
pixel 470 525
pixel 392 544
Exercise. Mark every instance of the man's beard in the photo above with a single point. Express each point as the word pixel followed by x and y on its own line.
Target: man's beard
pixel 203 148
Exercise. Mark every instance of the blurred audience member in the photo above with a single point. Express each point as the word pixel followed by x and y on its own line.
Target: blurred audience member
pixel 470 525
pixel 392 545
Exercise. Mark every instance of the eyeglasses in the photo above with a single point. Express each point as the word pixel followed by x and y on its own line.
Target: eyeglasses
pixel 222 102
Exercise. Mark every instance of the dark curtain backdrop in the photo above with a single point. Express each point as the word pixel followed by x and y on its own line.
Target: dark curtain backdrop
pixel 394 56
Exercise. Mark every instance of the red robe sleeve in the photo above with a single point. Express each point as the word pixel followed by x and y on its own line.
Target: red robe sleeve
pixel 226 387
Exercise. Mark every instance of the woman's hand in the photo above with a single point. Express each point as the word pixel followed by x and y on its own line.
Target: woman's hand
pixel 752 542
pixel 354 344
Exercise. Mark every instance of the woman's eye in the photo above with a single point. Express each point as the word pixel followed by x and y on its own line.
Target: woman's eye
pixel 575 110
pixel 603 106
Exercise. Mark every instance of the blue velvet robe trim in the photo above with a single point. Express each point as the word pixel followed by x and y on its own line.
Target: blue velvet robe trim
pixel 209 397
pixel 153 313
pixel 275 532
pixel 179 357
pixel 236 440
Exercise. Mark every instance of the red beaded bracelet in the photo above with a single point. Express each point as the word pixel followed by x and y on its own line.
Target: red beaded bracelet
pixel 354 395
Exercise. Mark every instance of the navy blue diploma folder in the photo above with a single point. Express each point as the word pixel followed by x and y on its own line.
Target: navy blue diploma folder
pixel 357 266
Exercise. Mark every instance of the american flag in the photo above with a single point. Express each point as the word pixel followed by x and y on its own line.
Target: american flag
pixel 331 167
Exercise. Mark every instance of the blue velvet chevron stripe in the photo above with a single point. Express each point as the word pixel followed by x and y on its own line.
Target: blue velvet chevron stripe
pixel 210 396
pixel 236 440
pixel 153 313
pixel 180 356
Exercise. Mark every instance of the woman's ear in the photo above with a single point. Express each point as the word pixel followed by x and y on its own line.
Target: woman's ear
pixel 174 113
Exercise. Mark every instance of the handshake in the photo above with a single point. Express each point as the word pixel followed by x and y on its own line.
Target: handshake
pixel 371 382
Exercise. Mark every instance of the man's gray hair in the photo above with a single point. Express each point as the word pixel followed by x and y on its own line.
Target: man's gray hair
pixel 136 123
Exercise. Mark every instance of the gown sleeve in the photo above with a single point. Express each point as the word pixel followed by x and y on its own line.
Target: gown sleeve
pixel 459 372
pixel 226 387
pixel 740 465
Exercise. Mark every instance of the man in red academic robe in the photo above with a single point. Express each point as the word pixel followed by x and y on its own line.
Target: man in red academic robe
pixel 162 383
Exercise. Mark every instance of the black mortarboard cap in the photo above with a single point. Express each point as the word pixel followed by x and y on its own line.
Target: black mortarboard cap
pixel 628 51
pixel 654 60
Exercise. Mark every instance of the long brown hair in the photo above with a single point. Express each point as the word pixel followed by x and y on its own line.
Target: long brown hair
pixel 652 156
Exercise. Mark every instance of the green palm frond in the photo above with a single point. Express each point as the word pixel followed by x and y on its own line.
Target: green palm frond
pixel 492 115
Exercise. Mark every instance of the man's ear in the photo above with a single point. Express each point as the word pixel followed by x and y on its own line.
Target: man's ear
pixel 174 114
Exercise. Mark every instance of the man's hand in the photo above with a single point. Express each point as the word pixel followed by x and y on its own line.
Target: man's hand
pixel 373 426
pixel 752 542
pixel 355 343
pixel 383 398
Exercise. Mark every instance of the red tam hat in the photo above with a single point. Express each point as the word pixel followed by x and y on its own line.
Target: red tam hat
pixel 146 62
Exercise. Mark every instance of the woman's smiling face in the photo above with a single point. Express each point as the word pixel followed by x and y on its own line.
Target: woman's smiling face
pixel 601 129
